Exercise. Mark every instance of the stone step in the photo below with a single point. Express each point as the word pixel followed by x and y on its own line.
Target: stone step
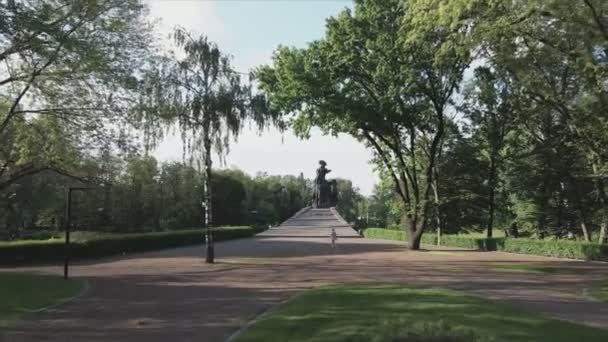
pixel 312 223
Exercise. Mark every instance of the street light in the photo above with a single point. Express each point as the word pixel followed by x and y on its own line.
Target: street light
pixel 68 214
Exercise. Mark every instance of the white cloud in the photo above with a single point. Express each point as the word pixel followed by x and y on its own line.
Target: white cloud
pixel 281 154
pixel 199 17
pixel 252 59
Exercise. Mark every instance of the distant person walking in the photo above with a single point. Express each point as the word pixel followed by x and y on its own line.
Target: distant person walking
pixel 334 237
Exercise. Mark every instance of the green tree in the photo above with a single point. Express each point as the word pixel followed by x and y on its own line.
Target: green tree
pixel 73 61
pixel 229 199
pixel 555 55
pixel 348 200
pixel 203 95
pixel 490 108
pixel 383 78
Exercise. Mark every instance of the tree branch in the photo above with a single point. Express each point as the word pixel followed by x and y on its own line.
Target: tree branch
pixel 387 163
pixel 597 19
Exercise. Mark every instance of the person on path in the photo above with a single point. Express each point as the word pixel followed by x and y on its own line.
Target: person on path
pixel 334 237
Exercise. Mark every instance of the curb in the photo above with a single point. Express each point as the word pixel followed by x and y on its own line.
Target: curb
pixel 261 315
pixel 338 216
pixel 83 291
pixel 301 212
pixel 297 214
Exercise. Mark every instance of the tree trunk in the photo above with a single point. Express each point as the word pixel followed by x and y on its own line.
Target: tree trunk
pixel 437 210
pixel 207 181
pixel 585 232
pixel 414 233
pixel 438 235
pixel 210 249
pixel 599 184
pixel 543 205
pixel 491 195
pixel 415 240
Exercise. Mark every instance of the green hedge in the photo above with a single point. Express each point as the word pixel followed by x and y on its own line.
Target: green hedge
pixel 550 248
pixel 557 248
pixel 54 250
pixel 385 234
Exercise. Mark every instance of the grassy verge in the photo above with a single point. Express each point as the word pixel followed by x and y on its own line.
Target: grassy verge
pixel 16 252
pixel 394 313
pixel 22 292
pixel 551 248
pixel 600 292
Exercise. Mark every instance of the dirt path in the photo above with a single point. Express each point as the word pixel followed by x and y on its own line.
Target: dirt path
pixel 173 296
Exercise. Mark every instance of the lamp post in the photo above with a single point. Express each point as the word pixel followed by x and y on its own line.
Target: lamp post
pixel 68 217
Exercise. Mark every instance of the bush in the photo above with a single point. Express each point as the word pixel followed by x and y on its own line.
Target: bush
pixel 555 248
pixel 385 234
pixel 470 242
pixel 54 250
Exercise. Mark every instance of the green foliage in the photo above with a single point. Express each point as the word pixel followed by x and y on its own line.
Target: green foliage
pixel 229 200
pixel 143 195
pixel 69 70
pixel 379 312
pixel 273 199
pixel 385 234
pixel 208 101
pixel 381 77
pixel 557 248
pixel 348 200
pixel 526 149
pixel 550 248
pixel 53 250
pixel 383 208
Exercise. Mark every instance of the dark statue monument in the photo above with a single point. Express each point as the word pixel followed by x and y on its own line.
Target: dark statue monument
pixel 326 192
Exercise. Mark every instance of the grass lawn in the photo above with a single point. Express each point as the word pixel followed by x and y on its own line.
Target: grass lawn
pixel 601 291
pixel 21 292
pixel 380 312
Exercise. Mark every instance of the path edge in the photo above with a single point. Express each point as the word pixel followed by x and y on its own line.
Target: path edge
pixel 85 288
pixel 297 214
pixel 335 212
pixel 261 315
pixel 301 212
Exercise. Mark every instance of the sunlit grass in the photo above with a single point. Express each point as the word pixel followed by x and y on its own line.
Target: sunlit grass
pixel 395 313
pixel 20 293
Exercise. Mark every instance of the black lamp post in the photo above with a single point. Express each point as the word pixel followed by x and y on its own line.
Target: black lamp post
pixel 68 218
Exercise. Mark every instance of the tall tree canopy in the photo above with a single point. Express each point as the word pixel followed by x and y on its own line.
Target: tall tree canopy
pixel 205 97
pixel 75 62
pixel 384 79
pixel 534 117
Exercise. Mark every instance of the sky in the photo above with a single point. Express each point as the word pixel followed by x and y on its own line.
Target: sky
pixel 250 30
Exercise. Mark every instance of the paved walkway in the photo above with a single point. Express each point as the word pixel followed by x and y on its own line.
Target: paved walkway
pixel 173 296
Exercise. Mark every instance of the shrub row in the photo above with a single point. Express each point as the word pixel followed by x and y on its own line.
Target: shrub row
pixel 54 250
pixel 385 234
pixel 550 248
pixel 556 248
